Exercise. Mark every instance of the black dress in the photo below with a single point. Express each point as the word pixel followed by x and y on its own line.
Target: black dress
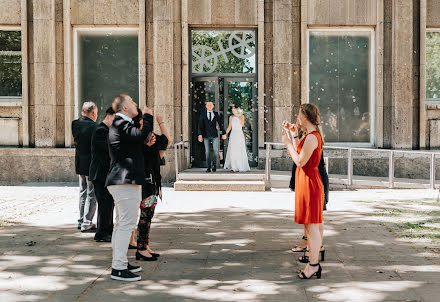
pixel 152 186
pixel 324 177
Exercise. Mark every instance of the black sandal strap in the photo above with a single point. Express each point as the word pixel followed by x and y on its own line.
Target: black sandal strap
pixel 304 238
pixel 303 276
pixel 316 264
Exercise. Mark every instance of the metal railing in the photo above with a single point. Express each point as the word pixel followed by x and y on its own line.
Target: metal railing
pixel 391 154
pixel 179 157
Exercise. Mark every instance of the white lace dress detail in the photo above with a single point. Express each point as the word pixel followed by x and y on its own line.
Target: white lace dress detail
pixel 236 156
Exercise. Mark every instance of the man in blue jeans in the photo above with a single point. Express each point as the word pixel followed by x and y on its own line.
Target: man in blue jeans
pixel 208 134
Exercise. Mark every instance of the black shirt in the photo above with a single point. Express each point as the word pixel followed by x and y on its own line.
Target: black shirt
pixel 152 166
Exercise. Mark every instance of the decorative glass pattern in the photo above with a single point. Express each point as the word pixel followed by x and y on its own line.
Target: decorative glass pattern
pixel 433 65
pixel 220 51
pixel 10 63
pixel 108 66
pixel 339 83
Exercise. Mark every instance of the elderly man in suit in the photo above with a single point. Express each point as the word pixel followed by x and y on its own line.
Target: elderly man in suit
pixel 125 179
pixel 82 130
pixel 208 134
pixel 98 173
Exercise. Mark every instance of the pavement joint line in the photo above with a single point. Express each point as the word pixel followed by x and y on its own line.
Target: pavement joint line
pixel 93 282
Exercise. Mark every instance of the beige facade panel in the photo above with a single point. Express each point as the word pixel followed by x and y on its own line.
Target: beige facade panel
pixel 223 12
pixel 10 12
pixel 9 131
pixel 246 12
pixel 342 12
pixel 434 134
pixel 433 13
pixel 199 11
pixel 82 11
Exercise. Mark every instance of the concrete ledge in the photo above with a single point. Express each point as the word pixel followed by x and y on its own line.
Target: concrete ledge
pixel 23 165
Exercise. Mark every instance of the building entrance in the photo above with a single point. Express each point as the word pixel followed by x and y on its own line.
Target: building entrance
pixel 225 93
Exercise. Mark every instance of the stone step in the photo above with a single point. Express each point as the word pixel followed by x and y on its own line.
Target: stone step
pixel 221 176
pixel 219 185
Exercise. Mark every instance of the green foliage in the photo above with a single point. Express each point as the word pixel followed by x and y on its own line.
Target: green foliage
pixel 433 64
pixel 212 40
pixel 10 63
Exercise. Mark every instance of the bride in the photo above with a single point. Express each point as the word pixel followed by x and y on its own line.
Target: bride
pixel 236 156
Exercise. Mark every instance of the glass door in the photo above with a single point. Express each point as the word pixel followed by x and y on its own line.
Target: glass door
pixel 243 92
pixel 202 90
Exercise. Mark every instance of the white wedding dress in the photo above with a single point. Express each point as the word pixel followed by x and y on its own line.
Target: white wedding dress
pixel 236 156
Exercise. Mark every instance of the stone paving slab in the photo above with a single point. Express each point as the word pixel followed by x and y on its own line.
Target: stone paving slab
pixel 214 247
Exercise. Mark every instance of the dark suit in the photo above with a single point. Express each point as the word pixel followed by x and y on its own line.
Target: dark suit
pixel 324 177
pixel 99 167
pixel 208 130
pixel 125 146
pixel 82 131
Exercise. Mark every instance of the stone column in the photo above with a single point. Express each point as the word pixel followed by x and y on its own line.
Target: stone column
pixel 283 59
pixel 163 61
pixel 423 122
pixel 261 74
pixel 142 55
pixel 25 73
pixel 268 70
pixel 44 77
pixel 402 76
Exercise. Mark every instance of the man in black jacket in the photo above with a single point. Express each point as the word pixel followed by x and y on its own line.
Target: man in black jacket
pixel 125 179
pixel 208 134
pixel 98 173
pixel 82 130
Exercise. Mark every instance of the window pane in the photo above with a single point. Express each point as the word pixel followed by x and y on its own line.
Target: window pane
pixel 220 51
pixel 108 66
pixel 433 65
pixel 10 63
pixel 339 84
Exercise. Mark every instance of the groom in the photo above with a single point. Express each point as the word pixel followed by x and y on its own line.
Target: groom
pixel 207 131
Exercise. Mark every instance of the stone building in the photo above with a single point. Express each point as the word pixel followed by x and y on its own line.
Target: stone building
pixel 372 67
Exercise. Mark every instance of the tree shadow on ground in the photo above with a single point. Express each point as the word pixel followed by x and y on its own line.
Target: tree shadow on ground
pixel 229 254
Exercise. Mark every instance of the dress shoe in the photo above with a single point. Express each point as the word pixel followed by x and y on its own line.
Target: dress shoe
pixel 89 229
pixel 106 238
pixel 155 255
pixel 139 256
pixel 208 170
pixel 214 169
pixel 132 247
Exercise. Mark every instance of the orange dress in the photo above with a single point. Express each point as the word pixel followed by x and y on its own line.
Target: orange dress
pixel 309 189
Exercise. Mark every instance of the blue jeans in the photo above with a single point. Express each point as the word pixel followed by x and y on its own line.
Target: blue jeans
pixel 207 141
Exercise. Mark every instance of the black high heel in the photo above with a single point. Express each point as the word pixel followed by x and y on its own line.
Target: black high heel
pixel 297 250
pixel 305 259
pixel 139 256
pixel 317 273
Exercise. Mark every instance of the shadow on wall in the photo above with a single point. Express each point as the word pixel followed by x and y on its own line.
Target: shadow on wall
pixel 217 255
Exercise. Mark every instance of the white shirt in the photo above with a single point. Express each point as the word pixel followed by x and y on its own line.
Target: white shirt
pixel 125 117
pixel 212 115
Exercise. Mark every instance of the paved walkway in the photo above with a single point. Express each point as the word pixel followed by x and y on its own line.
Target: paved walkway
pixel 215 247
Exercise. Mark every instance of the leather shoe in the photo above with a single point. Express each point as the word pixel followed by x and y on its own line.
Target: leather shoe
pixel 208 170
pixel 139 256
pixel 214 169
pixel 106 238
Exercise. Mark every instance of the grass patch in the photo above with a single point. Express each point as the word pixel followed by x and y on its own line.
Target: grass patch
pixel 409 221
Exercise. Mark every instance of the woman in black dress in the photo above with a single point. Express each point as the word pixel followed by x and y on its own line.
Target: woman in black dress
pixel 154 151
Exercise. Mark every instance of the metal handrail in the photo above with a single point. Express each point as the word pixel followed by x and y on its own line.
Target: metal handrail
pixel 179 157
pixel 350 161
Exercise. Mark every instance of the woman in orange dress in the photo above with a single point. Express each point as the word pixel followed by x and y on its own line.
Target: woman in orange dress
pixel 309 189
